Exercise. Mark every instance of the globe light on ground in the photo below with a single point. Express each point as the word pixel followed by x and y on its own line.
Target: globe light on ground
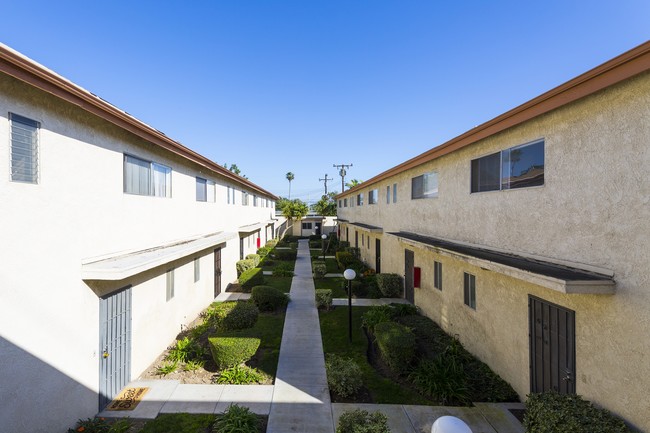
pixel 450 424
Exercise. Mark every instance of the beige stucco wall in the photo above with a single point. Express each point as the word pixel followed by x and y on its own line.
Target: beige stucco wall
pixel 78 210
pixel 594 209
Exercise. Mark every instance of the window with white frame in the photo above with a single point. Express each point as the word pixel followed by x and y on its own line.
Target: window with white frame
pixel 201 189
pixel 197 269
pixel 254 200
pixel 211 192
pixel 437 275
pixel 244 198
pixel 373 196
pixel 394 193
pixel 388 194
pixel 345 202
pixel 24 149
pixel 469 288
pixel 340 203
pixel 425 186
pixel 170 284
pixel 517 167
pixel 306 226
pixel 142 177
pixel 360 199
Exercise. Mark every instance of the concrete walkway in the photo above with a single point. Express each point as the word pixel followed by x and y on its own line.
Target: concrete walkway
pixel 301 401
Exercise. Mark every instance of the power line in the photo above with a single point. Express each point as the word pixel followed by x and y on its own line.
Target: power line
pixel 325 182
pixel 342 173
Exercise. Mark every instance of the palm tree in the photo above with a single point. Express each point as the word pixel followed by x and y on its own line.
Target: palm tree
pixel 290 177
pixel 352 183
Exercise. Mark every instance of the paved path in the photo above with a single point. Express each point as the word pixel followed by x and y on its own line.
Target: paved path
pixel 301 401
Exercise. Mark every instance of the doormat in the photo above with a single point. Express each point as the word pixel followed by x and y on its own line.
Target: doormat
pixel 128 399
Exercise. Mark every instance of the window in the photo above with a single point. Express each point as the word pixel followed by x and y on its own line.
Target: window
pixel 517 167
pixel 394 193
pixel 368 243
pixel 360 199
pixel 232 191
pixel 345 202
pixel 306 226
pixel 437 275
pixel 143 177
pixel 244 198
pixel 170 284
pixel 212 192
pixel 201 189
pixel 470 290
pixel 425 186
pixel 24 149
pixel 340 203
pixel 197 269
pixel 372 196
pixel 363 240
pixel 388 194
pixel 254 200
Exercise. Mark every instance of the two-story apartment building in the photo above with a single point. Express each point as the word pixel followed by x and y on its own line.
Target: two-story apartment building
pixel 527 237
pixel 113 237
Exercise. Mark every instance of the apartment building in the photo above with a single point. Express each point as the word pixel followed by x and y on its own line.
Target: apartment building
pixel 114 236
pixel 527 237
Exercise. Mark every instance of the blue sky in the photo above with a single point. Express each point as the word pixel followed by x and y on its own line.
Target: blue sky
pixel 278 86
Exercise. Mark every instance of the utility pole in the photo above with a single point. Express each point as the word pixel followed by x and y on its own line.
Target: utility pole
pixel 325 182
pixel 342 173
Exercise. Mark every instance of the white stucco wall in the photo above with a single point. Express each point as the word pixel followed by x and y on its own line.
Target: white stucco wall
pixel 78 210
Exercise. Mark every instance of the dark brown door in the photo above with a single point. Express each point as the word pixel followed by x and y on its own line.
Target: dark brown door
pixel 552 347
pixel 356 239
pixel 217 272
pixel 378 256
pixel 409 261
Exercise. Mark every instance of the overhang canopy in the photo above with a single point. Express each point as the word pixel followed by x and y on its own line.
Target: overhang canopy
pixel 368 227
pixel 250 228
pixel 122 265
pixel 554 276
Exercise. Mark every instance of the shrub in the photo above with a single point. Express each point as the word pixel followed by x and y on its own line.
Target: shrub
pixel 264 251
pixel 320 269
pixel 185 350
pixel 345 259
pixel 442 379
pixel 376 315
pixel 396 344
pixel 243 315
pixel 343 375
pixel 359 289
pixel 285 255
pixel 269 298
pixel 240 375
pixel 250 278
pixel 361 421
pixel 268 262
pixel 231 351
pixel 390 285
pixel 167 368
pixel 283 270
pixel 561 413
pixel 324 298
pixel 244 265
pixel 343 245
pixel 101 425
pixel 237 419
pixel 401 310
pixel 356 252
pixel 431 339
pixel 272 243
pixel 255 258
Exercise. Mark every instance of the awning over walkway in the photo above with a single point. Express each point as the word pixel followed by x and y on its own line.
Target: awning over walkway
pixel 367 227
pixel 122 265
pixel 561 278
pixel 250 228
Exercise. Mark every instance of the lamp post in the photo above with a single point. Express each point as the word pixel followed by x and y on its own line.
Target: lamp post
pixel 349 275
pixel 323 237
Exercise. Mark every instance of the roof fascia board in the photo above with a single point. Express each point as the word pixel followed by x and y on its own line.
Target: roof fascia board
pixel 32 73
pixel 616 70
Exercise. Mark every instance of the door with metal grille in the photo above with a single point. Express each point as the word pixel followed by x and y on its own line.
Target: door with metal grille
pixel 552 347
pixel 114 344
pixel 217 272
pixel 409 261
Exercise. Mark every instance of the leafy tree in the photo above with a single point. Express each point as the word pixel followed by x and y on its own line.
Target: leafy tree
pixel 290 177
pixel 294 210
pixel 353 182
pixel 326 206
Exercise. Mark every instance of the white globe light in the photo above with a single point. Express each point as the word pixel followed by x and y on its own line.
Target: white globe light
pixel 450 424
pixel 323 237
pixel 349 274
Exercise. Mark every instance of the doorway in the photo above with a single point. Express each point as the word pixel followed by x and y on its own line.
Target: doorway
pixel 377 256
pixel 409 261
pixel 217 272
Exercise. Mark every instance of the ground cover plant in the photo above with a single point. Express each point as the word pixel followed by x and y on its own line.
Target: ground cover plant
pixel 281 283
pixel 361 421
pixel 336 285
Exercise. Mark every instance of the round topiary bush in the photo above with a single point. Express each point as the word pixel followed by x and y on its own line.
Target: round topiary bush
pixel 396 344
pixel 242 315
pixel 343 375
pixel 268 298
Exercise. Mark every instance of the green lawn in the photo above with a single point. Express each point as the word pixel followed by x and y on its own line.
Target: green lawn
pixel 269 330
pixel 280 283
pixel 334 329
pixel 335 284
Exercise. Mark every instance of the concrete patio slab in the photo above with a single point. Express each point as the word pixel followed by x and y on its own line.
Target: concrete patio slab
pixel 423 417
pixel 149 408
pixel 255 397
pixel 500 418
pixel 192 398
pixel 232 296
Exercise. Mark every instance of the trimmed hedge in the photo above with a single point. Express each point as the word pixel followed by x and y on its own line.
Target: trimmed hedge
pixel 376 315
pixel 244 265
pixel 324 298
pixel 396 344
pixel 255 258
pixel 562 413
pixel 390 285
pixel 241 316
pixel 361 421
pixel 285 254
pixel 343 375
pixel 264 251
pixel 251 277
pixel 283 269
pixel 231 351
pixel 345 259
pixel 319 268
pixel 268 298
